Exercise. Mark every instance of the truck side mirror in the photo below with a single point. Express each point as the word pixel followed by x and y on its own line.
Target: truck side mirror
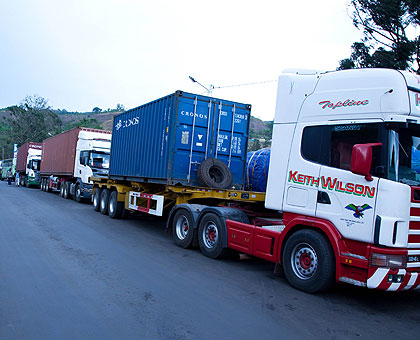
pixel 361 159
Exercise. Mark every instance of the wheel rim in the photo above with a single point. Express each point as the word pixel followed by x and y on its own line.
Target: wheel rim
pixel 95 200
pixel 304 261
pixel 182 227
pixel 210 235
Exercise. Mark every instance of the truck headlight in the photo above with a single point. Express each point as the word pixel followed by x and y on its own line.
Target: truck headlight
pixel 388 261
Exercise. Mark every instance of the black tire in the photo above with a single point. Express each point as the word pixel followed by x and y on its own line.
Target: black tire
pixel 26 182
pixel 211 232
pixel 115 208
pixel 21 181
pixel 66 193
pixel 183 228
pixel 104 202
pixel 96 201
pixel 78 194
pixel 213 173
pixel 62 190
pixel 308 261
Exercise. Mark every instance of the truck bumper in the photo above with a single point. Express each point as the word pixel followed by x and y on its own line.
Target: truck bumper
pixel 34 181
pixel 393 279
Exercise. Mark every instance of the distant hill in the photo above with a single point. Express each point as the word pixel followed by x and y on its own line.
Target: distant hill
pixel 259 133
pixel 105 119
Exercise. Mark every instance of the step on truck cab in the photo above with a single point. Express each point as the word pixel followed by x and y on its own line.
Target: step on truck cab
pixel 28 164
pixel 71 158
pixel 343 194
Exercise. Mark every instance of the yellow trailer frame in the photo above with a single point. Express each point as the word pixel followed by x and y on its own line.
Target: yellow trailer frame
pixel 155 198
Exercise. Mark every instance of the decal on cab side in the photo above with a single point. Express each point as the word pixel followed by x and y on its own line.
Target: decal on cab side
pixel 331 184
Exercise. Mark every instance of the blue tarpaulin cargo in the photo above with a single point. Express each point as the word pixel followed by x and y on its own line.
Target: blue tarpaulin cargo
pixel 257 169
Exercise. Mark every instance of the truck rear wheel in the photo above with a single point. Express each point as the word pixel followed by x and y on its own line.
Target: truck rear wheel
pixel 66 193
pixel 211 233
pixel 308 261
pixel 97 199
pixel 183 228
pixel 115 208
pixel 62 190
pixel 104 202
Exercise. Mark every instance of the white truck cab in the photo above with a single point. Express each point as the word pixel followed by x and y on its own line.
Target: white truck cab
pixel 346 155
pixel 33 163
pixel 92 160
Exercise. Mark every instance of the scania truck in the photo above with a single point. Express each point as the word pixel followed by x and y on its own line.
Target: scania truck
pixel 28 164
pixel 71 158
pixel 342 202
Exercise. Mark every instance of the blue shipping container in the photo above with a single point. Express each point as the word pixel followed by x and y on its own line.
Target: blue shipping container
pixel 166 140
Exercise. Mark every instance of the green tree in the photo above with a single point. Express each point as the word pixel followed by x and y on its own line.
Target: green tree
pixel 96 110
pixel 33 120
pixel 120 107
pixel 389 35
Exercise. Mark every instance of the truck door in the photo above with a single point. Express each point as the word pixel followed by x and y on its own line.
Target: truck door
pixel 344 198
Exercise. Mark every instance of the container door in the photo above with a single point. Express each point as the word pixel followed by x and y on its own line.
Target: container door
pixel 192 137
pixel 231 135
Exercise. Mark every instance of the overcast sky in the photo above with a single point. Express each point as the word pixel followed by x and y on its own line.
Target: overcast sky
pixel 80 54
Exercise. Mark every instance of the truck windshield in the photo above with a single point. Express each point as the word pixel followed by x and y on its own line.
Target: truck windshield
pixel 404 154
pixel 99 160
pixel 36 164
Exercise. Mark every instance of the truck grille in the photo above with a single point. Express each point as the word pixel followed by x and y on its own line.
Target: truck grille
pixel 414 230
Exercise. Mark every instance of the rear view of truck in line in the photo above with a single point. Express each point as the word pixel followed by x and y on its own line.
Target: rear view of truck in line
pixel 28 164
pixel 343 194
pixel 71 158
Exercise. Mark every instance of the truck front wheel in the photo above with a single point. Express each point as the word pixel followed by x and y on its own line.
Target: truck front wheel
pixel 78 194
pixel 183 228
pixel 308 261
pixel 210 236
pixel 104 202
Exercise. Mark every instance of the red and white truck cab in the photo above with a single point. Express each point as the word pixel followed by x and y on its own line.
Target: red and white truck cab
pixel 345 173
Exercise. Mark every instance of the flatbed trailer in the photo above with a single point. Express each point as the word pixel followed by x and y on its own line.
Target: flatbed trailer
pixel 156 199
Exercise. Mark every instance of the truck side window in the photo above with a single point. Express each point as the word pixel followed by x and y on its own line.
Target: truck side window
pixel 332 145
pixel 314 141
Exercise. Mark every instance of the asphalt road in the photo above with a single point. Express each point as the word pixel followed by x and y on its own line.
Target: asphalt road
pixel 67 272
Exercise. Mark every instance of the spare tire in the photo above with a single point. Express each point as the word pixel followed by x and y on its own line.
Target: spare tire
pixel 213 173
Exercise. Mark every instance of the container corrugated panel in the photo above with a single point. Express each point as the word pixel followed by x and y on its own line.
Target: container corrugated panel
pixel 22 154
pixel 166 140
pixel 58 153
